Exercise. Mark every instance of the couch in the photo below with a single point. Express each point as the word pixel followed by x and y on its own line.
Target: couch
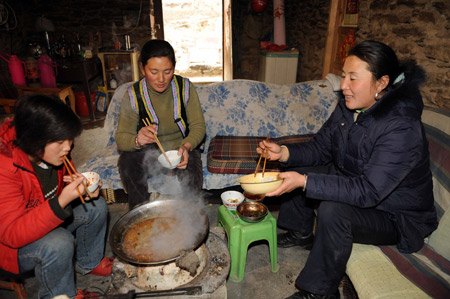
pixel 231 108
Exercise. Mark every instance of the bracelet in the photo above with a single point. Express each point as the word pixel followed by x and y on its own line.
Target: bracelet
pixel 136 143
pixel 304 186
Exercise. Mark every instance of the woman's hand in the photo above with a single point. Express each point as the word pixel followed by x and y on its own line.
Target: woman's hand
pixel 184 152
pixel 292 180
pixel 146 135
pixel 274 151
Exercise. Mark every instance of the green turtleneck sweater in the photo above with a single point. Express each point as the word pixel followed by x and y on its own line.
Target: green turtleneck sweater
pixel 168 131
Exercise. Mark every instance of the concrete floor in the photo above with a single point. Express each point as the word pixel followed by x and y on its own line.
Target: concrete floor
pixel 259 281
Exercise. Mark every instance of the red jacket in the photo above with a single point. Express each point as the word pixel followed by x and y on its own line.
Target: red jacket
pixel 25 216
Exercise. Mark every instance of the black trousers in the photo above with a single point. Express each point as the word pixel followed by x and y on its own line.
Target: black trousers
pixel 339 225
pixel 137 167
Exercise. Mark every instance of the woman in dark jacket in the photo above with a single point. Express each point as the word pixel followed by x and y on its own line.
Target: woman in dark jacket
pixel 368 167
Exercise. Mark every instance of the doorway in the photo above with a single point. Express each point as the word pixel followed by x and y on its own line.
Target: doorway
pixel 200 33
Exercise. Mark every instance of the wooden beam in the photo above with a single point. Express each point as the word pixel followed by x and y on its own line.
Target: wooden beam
pixel 156 19
pixel 227 41
pixel 337 9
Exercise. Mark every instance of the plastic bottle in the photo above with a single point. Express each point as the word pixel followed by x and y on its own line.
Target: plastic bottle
pixel 113 82
pixel 16 68
pixel 32 69
pixel 47 68
pixel 64 51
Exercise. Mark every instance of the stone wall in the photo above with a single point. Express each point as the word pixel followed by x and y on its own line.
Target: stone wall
pixel 306 29
pixel 248 29
pixel 307 24
pixel 415 29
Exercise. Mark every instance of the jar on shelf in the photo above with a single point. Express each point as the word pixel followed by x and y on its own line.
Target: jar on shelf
pixel 113 82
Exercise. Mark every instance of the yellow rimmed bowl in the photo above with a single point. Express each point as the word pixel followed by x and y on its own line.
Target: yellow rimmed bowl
pixel 259 184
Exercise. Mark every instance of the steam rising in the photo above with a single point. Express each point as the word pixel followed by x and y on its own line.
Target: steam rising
pixel 184 224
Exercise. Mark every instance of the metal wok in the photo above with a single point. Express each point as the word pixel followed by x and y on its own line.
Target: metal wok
pixel 192 226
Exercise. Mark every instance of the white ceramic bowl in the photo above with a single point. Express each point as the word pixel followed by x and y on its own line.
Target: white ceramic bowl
pixel 93 178
pixel 173 158
pixel 258 184
pixel 231 199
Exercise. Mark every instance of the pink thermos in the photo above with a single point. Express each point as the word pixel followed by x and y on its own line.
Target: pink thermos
pixel 47 68
pixel 16 68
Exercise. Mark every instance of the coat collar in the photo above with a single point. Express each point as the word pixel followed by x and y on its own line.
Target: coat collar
pixel 8 149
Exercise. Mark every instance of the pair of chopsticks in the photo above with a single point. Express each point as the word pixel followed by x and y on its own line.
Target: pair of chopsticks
pixel 265 159
pixel 147 123
pixel 71 168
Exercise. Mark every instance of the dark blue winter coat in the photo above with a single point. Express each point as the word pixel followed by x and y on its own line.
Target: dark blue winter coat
pixel 381 161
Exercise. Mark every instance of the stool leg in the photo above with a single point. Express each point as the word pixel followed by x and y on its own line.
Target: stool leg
pixel 16 286
pixel 243 248
pixel 238 255
pixel 273 247
pixel 219 221
pixel 19 290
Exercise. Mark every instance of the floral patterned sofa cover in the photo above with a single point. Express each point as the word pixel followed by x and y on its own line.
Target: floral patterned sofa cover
pixel 233 108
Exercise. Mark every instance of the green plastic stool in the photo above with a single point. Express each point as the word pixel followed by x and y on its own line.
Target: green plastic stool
pixel 241 234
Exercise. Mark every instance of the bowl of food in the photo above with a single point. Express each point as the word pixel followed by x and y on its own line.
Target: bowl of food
pixel 92 180
pixel 253 197
pixel 252 211
pixel 231 199
pixel 173 157
pixel 259 184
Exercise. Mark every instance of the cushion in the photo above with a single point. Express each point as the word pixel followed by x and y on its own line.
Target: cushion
pixel 425 268
pixel 374 276
pixel 237 154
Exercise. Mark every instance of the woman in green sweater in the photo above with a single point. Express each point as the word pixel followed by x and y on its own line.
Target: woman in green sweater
pixel 171 105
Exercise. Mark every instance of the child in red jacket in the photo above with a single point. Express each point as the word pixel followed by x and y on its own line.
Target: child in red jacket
pixel 44 225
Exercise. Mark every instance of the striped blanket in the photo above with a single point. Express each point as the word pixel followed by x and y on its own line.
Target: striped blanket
pixel 425 268
pixel 237 154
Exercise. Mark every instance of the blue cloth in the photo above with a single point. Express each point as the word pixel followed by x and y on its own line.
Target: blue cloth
pixel 52 257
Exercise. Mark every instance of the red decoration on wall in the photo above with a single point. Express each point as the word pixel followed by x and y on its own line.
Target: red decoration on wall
pixel 347 44
pixel 259 5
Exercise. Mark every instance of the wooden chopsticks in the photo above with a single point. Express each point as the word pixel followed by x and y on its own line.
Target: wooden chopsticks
pixel 265 159
pixel 147 123
pixel 71 177
pixel 75 171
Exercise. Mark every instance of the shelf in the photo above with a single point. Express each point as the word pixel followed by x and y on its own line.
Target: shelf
pixel 122 64
pixel 336 36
